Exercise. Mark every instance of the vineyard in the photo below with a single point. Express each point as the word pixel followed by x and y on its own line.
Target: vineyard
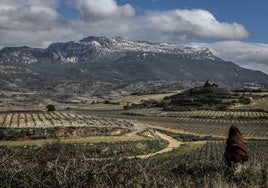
pixel 187 166
pixel 92 158
pixel 211 129
pixel 55 119
pixel 216 127
pixel 222 114
pixel 60 125
pixel 219 116
pixel 211 153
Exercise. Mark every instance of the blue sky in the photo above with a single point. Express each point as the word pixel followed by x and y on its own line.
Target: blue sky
pixel 234 30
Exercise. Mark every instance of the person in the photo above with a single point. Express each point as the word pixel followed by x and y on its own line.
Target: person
pixel 236 150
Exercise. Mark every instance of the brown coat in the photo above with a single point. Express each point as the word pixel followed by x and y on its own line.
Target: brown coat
pixel 237 149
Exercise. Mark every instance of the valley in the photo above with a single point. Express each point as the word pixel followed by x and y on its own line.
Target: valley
pixel 101 135
pixel 110 112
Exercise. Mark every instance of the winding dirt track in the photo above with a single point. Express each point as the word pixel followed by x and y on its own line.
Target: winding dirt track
pixel 172 143
pixel 158 127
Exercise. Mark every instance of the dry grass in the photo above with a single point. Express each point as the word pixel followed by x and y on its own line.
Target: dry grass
pixel 138 98
pixel 94 139
pixel 188 147
pixel 260 104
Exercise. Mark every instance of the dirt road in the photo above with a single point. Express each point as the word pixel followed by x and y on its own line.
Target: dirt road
pixel 172 143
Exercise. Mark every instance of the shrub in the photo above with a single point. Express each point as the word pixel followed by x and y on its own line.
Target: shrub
pixel 224 107
pixel 111 102
pixel 245 100
pixel 50 107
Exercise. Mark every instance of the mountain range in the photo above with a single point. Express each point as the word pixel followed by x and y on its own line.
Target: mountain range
pixel 115 60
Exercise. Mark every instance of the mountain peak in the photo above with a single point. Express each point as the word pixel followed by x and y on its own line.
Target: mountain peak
pixel 100 39
pixel 117 59
pixel 94 47
pixel 116 44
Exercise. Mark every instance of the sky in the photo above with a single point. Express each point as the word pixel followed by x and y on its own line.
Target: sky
pixel 235 31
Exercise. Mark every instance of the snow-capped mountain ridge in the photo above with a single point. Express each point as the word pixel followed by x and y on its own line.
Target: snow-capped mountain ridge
pixel 22 54
pixel 95 47
pixel 115 44
pixel 113 59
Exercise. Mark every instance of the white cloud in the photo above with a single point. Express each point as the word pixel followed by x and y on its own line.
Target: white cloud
pixel 249 55
pixel 36 23
pixel 196 23
pixel 169 26
pixel 96 10
pixel 31 22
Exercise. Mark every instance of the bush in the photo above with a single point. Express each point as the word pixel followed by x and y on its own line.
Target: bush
pixel 224 107
pixel 245 100
pixel 111 102
pixel 50 107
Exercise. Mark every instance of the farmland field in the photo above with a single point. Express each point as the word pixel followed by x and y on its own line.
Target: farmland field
pixel 111 147
pixel 254 126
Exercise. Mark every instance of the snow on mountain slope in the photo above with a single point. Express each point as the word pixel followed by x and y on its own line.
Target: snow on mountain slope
pixel 116 44
pixel 113 59
pixel 94 47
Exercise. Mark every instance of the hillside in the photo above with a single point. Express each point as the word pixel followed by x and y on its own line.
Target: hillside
pixel 209 96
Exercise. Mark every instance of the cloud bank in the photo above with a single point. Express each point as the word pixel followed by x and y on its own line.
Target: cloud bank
pixel 38 23
pixel 31 22
pixel 248 55
pixel 194 24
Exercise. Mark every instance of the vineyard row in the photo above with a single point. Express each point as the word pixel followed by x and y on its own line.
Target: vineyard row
pixel 221 114
pixel 212 154
pixel 55 119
